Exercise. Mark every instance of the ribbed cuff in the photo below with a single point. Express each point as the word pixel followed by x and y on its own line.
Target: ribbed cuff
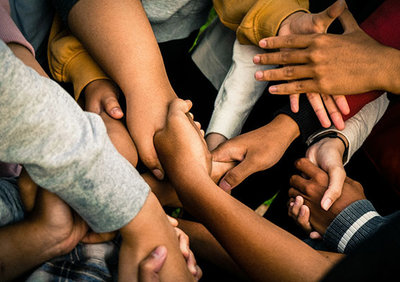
pixel 352 226
pixel 305 118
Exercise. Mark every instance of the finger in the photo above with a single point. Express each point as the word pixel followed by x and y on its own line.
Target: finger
pixel 152 264
pixel 310 170
pixel 285 73
pixel 304 218
pixel 183 243
pixel 319 109
pixel 236 175
pixel 191 263
pixel 337 176
pixel 287 41
pixel 341 103
pixel 348 22
pixel 112 107
pixel 179 105
pixel 299 201
pixel 315 235
pixel 294 87
pixel 324 19
pixel 333 111
pixel 173 221
pixel 149 158
pixel 282 57
pixel 228 152
pixel 197 124
pixel 199 273
pixel 294 102
pixel 298 183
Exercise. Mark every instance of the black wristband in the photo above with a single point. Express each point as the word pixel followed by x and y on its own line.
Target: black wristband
pixel 331 134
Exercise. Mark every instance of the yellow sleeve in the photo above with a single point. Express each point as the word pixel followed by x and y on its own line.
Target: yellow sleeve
pixel 69 61
pixel 256 19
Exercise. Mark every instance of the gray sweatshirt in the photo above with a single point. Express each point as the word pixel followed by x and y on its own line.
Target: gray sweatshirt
pixel 64 149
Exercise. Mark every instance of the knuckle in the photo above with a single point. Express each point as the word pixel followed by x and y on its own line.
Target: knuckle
pixel 284 57
pixel 299 86
pixel 288 71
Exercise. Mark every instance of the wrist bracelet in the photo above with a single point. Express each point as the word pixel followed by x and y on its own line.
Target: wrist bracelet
pixel 330 134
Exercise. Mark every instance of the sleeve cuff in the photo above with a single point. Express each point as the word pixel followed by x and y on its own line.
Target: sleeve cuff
pixel 353 225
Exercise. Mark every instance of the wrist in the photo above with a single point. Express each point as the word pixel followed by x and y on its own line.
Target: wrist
pixel 390 71
pixel 287 126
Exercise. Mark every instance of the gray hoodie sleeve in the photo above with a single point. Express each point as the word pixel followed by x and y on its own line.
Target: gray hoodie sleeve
pixel 64 149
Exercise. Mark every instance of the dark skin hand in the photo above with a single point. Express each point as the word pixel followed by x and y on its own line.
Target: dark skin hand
pixel 331 63
pixel 311 186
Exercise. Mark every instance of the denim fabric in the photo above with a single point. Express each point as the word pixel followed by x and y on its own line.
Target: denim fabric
pixel 11 209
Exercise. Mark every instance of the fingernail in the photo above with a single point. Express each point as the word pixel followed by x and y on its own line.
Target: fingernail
pixel 157 173
pixel 263 43
pixel 327 204
pixel 115 111
pixel 225 185
pixel 256 59
pixel 259 75
pixel 273 89
pixel 291 204
pixel 158 252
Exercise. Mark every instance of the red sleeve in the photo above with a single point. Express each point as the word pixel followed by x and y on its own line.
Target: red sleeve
pixel 384 26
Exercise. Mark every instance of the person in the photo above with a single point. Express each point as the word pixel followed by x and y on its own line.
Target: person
pixel 32 105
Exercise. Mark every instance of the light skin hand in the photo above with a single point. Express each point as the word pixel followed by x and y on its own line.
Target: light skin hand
pixel 102 96
pixel 331 63
pixel 311 188
pixel 327 154
pixel 303 23
pixel 256 150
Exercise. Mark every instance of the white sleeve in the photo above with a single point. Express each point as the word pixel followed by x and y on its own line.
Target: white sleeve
pixel 238 93
pixel 359 126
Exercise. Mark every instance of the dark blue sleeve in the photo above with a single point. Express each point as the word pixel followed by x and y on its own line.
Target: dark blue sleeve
pixel 63 8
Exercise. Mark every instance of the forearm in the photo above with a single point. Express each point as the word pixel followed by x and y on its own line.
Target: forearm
pixel 258 246
pixel 151 228
pixel 84 169
pixel 128 51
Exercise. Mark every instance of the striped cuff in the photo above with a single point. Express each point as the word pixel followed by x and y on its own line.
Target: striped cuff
pixel 352 226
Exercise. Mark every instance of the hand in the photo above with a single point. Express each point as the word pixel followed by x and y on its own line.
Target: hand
pixel 327 63
pixel 102 95
pixel 327 154
pixel 181 146
pixel 144 119
pixel 256 150
pixel 303 23
pixel 312 188
pixel 186 252
pixel 63 227
pixel 153 263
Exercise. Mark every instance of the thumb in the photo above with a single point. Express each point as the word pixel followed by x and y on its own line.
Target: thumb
pixel 152 264
pixel 112 107
pixel 149 157
pixel 236 175
pixel 348 22
pixel 337 176
pixel 228 152
pixel 324 19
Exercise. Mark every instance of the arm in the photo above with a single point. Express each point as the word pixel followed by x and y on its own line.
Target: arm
pixel 271 251
pixel 125 32
pixel 85 159
pixel 237 95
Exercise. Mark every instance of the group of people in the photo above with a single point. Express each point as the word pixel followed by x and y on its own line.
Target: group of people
pixel 114 111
